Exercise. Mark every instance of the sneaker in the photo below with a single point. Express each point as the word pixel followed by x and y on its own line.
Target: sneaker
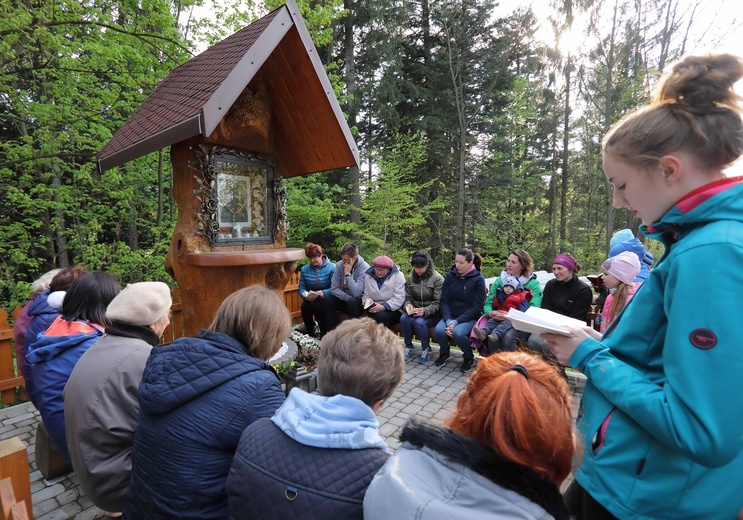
pixel 494 338
pixel 480 333
pixel 424 355
pixel 408 354
pixel 467 365
pixel 302 329
pixel 441 361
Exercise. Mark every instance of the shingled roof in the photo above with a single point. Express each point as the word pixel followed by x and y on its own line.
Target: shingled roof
pixel 196 96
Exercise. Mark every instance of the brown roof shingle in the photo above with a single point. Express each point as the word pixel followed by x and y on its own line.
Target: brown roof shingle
pixel 196 95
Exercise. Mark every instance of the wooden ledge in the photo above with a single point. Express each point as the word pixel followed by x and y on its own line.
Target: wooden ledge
pixel 252 257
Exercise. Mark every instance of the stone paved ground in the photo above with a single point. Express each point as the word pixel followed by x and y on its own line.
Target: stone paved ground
pixel 427 392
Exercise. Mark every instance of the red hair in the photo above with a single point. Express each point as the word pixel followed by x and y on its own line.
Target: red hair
pixel 524 419
pixel 312 250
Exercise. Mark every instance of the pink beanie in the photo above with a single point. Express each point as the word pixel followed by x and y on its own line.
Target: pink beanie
pixel 565 261
pixel 383 261
pixel 624 267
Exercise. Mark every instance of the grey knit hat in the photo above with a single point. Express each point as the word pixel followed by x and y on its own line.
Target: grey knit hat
pixel 141 303
pixel 509 279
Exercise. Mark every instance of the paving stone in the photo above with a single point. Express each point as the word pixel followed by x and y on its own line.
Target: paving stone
pixel 85 502
pixel 388 430
pixel 68 496
pixel 18 418
pixel 64 513
pixel 47 492
pixel 394 444
pixel 44 507
pixel 412 409
pixel 90 514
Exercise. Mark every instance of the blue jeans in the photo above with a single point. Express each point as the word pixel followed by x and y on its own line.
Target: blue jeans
pixel 460 334
pixel 420 325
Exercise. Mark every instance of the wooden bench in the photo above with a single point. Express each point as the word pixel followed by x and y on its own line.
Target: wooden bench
pixel 15 485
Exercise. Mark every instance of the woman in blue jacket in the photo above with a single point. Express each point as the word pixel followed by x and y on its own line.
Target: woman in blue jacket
pixel 662 404
pixel 51 358
pixel 314 287
pixel 462 297
pixel 197 395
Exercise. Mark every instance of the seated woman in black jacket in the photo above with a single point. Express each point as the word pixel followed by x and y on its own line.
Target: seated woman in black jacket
pixel 565 295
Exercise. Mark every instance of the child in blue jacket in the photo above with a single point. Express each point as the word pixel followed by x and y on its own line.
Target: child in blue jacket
pixel 662 421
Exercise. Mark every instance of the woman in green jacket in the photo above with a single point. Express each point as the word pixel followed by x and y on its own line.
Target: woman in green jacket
pixel 520 265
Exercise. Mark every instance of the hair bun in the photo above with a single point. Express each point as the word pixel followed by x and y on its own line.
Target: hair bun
pixel 701 83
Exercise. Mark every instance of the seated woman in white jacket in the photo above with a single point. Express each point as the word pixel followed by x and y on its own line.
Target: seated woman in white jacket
pixel 505 452
pixel 384 291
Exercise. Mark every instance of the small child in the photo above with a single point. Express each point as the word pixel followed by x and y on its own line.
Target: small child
pixel 511 295
pixel 619 274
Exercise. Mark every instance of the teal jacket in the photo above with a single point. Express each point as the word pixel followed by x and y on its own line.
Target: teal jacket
pixel 662 408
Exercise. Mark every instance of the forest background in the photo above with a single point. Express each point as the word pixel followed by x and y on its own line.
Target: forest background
pixel 473 131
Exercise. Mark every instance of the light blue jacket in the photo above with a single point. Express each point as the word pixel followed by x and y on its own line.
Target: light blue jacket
pixel 666 381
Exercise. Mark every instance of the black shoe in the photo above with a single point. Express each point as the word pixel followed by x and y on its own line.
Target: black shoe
pixel 467 365
pixel 441 361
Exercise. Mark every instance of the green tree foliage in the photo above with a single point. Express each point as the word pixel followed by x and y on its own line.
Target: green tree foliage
pixel 393 221
pixel 71 73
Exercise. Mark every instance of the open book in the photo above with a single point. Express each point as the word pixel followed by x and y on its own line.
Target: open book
pixel 536 320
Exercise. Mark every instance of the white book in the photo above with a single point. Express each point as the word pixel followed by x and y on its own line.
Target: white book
pixel 537 320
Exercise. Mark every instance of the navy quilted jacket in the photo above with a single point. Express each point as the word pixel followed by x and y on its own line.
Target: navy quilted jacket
pixel 42 315
pixel 197 396
pixel 274 476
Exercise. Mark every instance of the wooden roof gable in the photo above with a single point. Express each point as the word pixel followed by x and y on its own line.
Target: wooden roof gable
pixel 311 130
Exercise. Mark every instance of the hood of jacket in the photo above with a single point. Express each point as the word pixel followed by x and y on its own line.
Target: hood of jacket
pixel 40 305
pixel 480 459
pixel 190 367
pixel 718 200
pixel 337 421
pixel 49 347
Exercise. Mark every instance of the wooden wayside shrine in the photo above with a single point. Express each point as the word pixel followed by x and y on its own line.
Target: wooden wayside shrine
pixel 242 116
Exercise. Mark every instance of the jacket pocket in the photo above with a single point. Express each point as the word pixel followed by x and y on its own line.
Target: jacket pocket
pixel 597 442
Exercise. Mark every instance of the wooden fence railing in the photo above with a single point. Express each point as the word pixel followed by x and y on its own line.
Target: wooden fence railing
pixel 11 380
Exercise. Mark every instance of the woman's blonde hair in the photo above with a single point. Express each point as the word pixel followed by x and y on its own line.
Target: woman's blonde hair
pixel 618 302
pixel 518 405
pixel 256 317
pixel 360 358
pixel 695 109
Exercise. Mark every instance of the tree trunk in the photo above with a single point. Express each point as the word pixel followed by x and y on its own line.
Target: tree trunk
pixel 565 158
pixel 63 260
pixel 351 103
pixel 159 188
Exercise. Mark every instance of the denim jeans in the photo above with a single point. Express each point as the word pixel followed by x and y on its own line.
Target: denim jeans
pixel 419 325
pixel 460 334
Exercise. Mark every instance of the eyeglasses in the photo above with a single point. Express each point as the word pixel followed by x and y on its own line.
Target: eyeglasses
pixel 381 269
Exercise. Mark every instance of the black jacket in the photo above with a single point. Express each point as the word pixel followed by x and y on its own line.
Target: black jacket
pixel 572 298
